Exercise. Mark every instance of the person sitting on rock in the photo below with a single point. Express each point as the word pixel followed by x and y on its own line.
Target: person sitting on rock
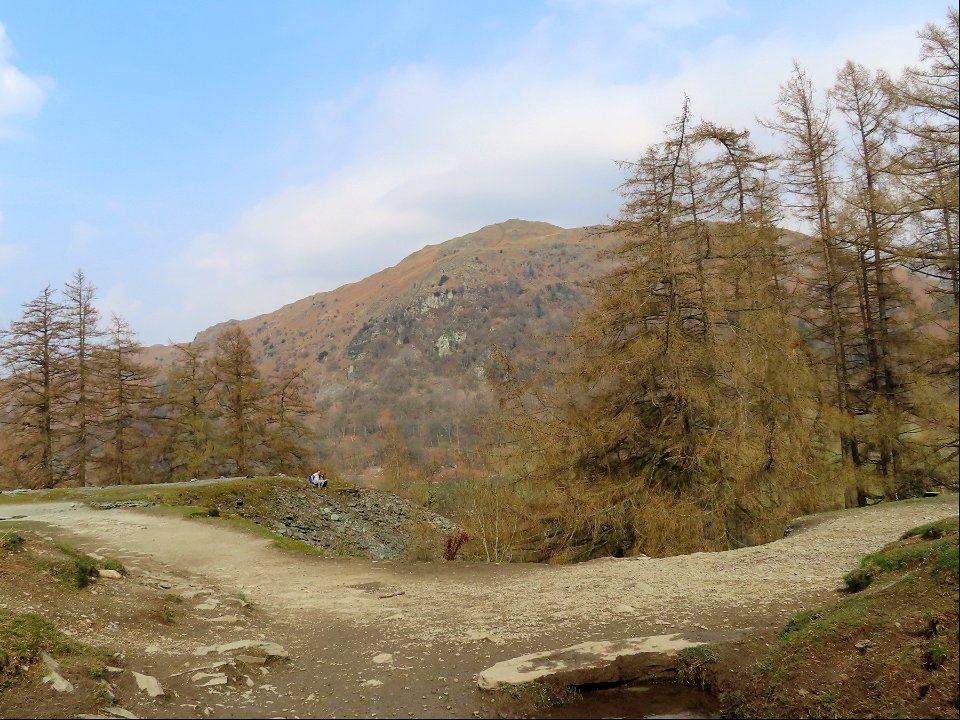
pixel 322 480
pixel 315 479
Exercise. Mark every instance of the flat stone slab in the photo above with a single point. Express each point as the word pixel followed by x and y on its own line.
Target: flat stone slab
pixel 148 684
pixel 270 649
pixel 605 661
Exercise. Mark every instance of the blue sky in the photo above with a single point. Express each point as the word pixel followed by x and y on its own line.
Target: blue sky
pixel 203 160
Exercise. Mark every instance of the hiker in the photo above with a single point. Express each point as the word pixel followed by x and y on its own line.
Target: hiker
pixel 315 479
pixel 322 481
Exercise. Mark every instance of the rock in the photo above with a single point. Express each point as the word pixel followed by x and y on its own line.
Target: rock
pixel 59 683
pixel 251 659
pixel 164 585
pixel 371 683
pixel 482 636
pixel 52 665
pixel 148 684
pixel 270 649
pixel 221 680
pixel 107 690
pixel 223 619
pixel 590 662
pixel 863 645
pixel 383 658
pixel 111 574
pixel 112 669
pixel 209 604
pixel 120 712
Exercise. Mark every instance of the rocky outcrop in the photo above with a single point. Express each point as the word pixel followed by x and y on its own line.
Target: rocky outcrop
pixel 353 521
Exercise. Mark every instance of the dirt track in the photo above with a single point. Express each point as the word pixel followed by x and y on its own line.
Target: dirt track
pixel 443 623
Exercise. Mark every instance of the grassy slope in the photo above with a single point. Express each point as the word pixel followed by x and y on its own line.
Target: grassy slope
pixel 889 649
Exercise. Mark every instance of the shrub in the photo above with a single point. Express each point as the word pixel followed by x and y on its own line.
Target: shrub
pixel 453 544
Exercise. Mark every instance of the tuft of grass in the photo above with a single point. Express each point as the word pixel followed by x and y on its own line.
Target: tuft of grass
pixel 858 580
pixel 76 569
pixel 11 542
pixel 936 656
pixel 693 663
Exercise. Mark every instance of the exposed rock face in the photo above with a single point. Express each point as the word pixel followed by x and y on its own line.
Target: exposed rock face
pixel 357 521
pixel 590 662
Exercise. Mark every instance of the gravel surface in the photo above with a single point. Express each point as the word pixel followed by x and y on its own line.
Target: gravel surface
pixel 441 623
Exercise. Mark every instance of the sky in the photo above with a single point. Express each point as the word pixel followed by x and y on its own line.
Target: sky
pixel 216 159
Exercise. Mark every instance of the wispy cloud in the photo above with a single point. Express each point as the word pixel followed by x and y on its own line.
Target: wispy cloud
pixel 21 95
pixel 433 153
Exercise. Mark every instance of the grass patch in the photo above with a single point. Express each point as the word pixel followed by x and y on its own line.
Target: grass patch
pixel 693 665
pixel 196 512
pixel 929 530
pixel 74 569
pixel 888 651
pixel 933 544
pixel 11 541
pixel 24 635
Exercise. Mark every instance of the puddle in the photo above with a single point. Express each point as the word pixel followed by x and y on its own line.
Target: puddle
pixel 639 699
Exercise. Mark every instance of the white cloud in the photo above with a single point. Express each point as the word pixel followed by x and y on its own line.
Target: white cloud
pixel 435 153
pixel 21 95
pixel 118 300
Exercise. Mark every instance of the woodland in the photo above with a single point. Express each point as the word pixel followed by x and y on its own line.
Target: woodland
pixel 726 376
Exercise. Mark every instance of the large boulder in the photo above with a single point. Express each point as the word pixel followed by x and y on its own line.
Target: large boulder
pixel 605 661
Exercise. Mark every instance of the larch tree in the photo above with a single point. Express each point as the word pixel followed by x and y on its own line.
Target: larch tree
pixel 188 402
pixel 32 353
pixel 288 439
pixel 831 317
pixel 127 395
pixel 239 395
pixel 664 435
pixel 81 331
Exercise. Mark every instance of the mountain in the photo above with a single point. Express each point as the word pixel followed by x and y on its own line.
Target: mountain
pixel 402 353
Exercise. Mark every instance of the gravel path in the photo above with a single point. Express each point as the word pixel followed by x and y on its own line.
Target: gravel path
pixel 442 623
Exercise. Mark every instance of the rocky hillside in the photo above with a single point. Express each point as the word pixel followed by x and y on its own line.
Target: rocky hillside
pixel 404 350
